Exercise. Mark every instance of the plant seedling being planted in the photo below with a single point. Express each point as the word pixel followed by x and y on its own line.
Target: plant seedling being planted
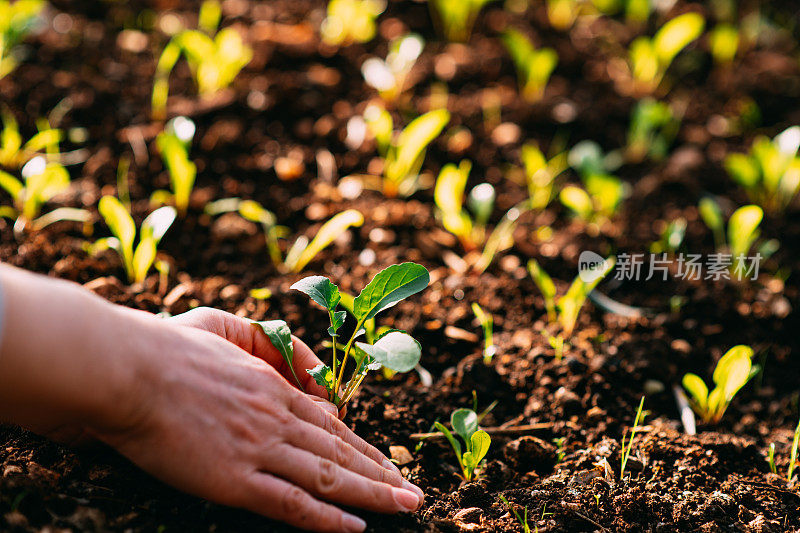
pixel 476 441
pixel 404 154
pixel 395 349
pixel 733 371
pixel 534 67
pixel 302 251
pixel 455 19
pixel 173 145
pixel 215 57
pixel 388 76
pixel 351 21
pixel 770 173
pixel 136 260
pixel 16 21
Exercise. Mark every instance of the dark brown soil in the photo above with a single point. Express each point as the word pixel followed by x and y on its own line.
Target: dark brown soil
pixel 718 480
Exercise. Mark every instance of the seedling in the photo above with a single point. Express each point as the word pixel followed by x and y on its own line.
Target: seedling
pixel 626 453
pixel 403 156
pixel 17 19
pixel 770 173
pixel 598 202
pixel 562 14
pixel 771 458
pixel 534 67
pixel 351 21
pixel 671 237
pixel 136 260
pixel 388 76
pixel 733 371
pixel 455 19
pixel 793 453
pixel 215 57
pixel 14 154
pixel 302 250
pixel 742 230
pixel 649 59
pixel 521 518
pixel 476 441
pixel 652 130
pixel 541 174
pixel 724 42
pixel 565 310
pixel 173 145
pixel 395 349
pixel 487 323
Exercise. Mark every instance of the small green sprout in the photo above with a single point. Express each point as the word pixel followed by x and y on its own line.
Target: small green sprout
pixel 351 21
pixel 742 230
pixel 598 202
pixel 770 173
pixel 136 260
pixel 565 310
pixel 541 174
pixel 626 453
pixel 302 251
pixel 17 19
pixel 652 130
pixel 215 57
pixel 671 237
pixel 562 14
pixel 173 145
pixel 534 67
pixel 649 58
pixel 389 77
pixel 521 518
pixel 724 42
pixel 771 458
pixel 14 154
pixel 733 371
pixel 487 323
pixel 395 349
pixel 403 156
pixel 476 441
pixel 454 19
pixel 793 453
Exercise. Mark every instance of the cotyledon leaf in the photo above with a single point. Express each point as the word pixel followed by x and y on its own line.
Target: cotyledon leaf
pixel 280 336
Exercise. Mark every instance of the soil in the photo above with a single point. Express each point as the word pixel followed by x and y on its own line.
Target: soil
pixel 295 98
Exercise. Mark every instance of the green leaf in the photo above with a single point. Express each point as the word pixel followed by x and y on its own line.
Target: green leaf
pixel 156 224
pixel 388 287
pixel 337 320
pixel 571 303
pixel 465 423
pixel 697 389
pixel 11 184
pixel 323 375
pixel 711 214
pixel 453 442
pixel 742 229
pixel 280 336
pixel 326 235
pixel 143 258
pixel 733 370
pixel 396 351
pixel 480 445
pixel 578 201
pixel 320 289
pixel 743 170
pixel 121 224
pixel 676 35
pixel 412 142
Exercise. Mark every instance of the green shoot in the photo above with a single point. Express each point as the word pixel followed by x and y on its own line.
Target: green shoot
pixel 626 453
pixel 389 77
pixel 476 441
pixel 487 323
pixel 351 21
pixel 671 237
pixel 652 130
pixel 14 154
pixel 724 42
pixel 395 349
pixel 17 19
pixel 455 19
pixel 534 67
pixel 136 260
pixel 541 174
pixel 597 202
pixel 770 173
pixel 793 453
pixel 302 251
pixel 521 518
pixel 173 145
pixel 649 58
pixel 733 371
pixel 404 154
pixel 771 458
pixel 215 58
pixel 742 230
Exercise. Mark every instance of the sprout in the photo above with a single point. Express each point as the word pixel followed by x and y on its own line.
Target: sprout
pixel 486 322
pixel 652 130
pixel 533 66
pixel 733 371
pixel 17 19
pixel 724 42
pixel 455 19
pixel 476 441
pixel 351 21
pixel 742 230
pixel 626 453
pixel 389 77
pixel 541 174
pixel 173 144
pixel 15 154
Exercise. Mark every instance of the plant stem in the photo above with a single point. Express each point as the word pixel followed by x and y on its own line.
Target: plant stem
pixel 338 382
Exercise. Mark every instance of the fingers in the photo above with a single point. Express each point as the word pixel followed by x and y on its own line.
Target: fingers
pixel 325 404
pixel 304 359
pixel 281 500
pixel 325 479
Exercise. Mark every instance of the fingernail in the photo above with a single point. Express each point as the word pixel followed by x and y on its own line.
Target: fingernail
pixel 406 499
pixel 416 490
pixel 353 523
pixel 387 464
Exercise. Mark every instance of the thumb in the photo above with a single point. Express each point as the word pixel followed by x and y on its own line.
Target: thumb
pixel 326 405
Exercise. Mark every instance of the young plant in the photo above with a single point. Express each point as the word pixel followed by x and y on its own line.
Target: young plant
pixel 173 144
pixel 565 310
pixel 534 67
pixel 793 453
pixel 17 19
pixel 455 19
pixel 395 349
pixel 302 251
pixel 742 229
pixel 649 59
pixel 487 325
pixel 389 77
pixel 598 202
pixel 652 130
pixel 404 154
pixel 770 173
pixel 541 174
pixel 215 57
pixel 626 453
pixel 671 237
pixel 521 518
pixel 448 195
pixel 14 154
pixel 351 21
pixel 733 371
pixel 136 260
pixel 476 441
pixel 724 43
